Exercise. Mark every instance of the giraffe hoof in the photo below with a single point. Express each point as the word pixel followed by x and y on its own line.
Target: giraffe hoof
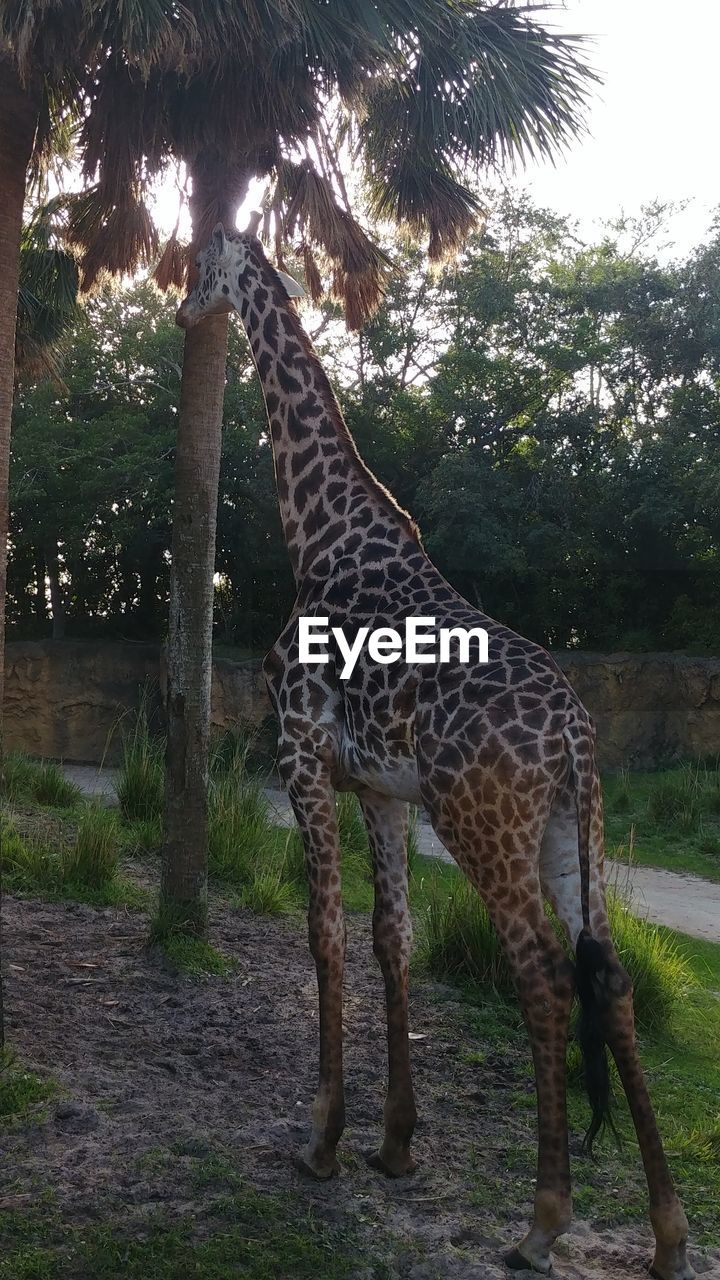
pixel 685 1273
pixel 516 1261
pixel 392 1166
pixel 321 1171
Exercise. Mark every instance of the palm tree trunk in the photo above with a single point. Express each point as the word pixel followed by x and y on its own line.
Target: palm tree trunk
pixel 183 885
pixel 183 891
pixel 19 110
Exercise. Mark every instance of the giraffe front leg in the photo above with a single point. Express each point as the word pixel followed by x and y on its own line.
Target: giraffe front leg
pixel 314 808
pixel 387 823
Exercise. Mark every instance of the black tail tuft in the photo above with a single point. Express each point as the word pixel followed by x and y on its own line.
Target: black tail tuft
pixel 594 996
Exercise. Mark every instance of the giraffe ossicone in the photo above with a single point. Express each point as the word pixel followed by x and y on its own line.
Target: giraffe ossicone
pixel 501 755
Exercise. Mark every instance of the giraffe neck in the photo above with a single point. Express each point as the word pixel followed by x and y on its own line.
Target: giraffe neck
pixel 324 488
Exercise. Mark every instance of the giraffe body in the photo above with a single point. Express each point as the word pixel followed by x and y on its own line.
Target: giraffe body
pixel 501 755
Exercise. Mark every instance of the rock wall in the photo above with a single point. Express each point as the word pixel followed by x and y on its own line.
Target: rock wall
pixel 649 709
pixel 64 699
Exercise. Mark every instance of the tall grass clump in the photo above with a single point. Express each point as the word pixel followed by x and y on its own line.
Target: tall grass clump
pixel 681 798
pixel 25 781
pixel 351 828
pixel 52 788
pixel 620 792
pixel 661 976
pixel 241 835
pixel 30 865
pixel 267 891
pixel 457 938
pixel 413 843
pixel 61 860
pixel 141 784
pixel 18 777
pixel 92 860
pixel 459 942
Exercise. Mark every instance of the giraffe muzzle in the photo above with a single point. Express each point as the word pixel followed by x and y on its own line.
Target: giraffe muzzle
pixel 187 314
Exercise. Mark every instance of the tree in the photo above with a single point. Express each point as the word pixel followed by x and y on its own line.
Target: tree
pixel 46 306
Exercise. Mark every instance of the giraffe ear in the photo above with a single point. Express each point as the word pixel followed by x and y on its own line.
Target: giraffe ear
pixel 291 287
pixel 220 239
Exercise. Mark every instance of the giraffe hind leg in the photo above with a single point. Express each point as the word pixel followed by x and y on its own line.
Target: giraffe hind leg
pixel 607 1017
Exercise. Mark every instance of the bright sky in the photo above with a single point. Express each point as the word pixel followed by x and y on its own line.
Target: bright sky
pixel 654 121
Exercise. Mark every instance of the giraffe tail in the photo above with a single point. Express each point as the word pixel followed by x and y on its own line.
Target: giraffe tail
pixel 592 966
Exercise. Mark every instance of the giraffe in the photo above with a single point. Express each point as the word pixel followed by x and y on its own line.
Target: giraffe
pixel 501 755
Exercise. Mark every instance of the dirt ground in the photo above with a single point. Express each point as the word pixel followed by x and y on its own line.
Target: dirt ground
pixel 151 1061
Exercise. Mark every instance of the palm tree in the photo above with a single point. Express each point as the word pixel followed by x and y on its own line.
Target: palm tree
pixel 46 301
pixel 419 93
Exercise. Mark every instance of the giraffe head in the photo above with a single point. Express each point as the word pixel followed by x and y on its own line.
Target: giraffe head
pixel 229 268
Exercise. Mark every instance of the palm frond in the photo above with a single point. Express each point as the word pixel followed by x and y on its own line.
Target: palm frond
pixel 501 89
pixel 360 268
pixel 47 296
pixel 114 237
pixel 171 271
pixel 428 200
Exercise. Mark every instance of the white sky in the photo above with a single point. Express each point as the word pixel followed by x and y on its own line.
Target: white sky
pixel 654 121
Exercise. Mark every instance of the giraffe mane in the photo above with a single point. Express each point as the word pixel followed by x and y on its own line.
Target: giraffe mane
pixel 383 495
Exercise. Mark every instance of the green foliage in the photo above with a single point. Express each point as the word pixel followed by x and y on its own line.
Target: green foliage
pixel 660 974
pixel 74 859
pixel 458 941
pixel 546 410
pixel 193 956
pixel 92 859
pixel 143 837
pixel 246 1234
pixel 667 819
pixel 50 787
pixel 18 777
pixel 30 865
pixel 267 892
pixel 20 1090
pixel 241 834
pixel 141 783
pixel 352 831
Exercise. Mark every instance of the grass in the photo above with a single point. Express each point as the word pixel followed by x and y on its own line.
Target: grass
pixel 458 942
pixel 141 782
pixel 196 957
pixel 669 819
pixel 20 1090
pixel 67 858
pixel 247 1235
pixel 92 859
pixel 40 782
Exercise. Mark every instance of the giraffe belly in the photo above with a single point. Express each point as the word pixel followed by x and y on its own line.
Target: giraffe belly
pixel 386 767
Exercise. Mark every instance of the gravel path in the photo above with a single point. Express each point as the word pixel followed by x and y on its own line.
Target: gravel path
pixel 684 902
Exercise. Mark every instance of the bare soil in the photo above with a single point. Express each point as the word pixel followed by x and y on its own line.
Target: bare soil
pixel 158 1069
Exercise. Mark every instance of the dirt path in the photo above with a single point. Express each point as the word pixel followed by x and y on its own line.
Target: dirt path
pixel 162 1073
pixel 684 902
